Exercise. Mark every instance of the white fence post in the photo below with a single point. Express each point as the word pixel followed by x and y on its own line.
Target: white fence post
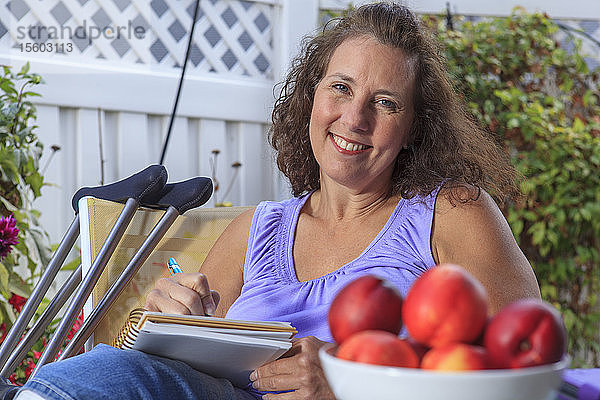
pixel 295 19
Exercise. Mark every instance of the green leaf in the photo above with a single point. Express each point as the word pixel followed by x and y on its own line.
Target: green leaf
pixel 7 87
pixel 4 274
pixel 548 292
pixel 24 69
pixel 517 227
pixel 35 182
pixel 578 125
pixel 585 213
pixel 537 232
pixel 10 206
pixel 589 98
pixel 19 287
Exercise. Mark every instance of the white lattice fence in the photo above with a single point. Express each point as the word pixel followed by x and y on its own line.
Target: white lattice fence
pixel 231 36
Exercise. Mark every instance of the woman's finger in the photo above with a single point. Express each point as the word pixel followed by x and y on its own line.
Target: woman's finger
pixel 174 298
pixel 187 289
pixel 211 302
pixel 282 366
pixel 276 382
pixel 158 300
pixel 196 281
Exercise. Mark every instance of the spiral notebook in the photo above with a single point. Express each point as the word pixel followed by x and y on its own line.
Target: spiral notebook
pixel 220 347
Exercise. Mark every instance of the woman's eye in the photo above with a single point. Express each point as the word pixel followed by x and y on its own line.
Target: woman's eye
pixel 387 103
pixel 340 87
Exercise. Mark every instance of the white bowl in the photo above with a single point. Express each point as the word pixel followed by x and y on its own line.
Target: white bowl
pixel 358 381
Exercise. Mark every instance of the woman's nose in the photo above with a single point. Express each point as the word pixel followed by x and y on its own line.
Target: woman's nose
pixel 356 116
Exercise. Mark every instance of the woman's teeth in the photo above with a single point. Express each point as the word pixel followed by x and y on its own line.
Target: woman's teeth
pixel 348 146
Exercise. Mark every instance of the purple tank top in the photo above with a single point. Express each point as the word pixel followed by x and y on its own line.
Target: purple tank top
pixel 400 253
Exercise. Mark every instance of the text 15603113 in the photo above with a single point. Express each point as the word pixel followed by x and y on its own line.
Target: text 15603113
pixel 45 47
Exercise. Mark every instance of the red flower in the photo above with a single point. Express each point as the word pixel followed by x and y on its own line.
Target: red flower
pixel 8 235
pixel 29 369
pixel 3 331
pixel 17 302
pixel 76 326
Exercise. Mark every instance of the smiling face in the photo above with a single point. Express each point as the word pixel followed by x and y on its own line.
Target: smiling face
pixel 362 114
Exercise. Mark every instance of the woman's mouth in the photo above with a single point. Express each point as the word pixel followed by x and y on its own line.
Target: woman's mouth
pixel 346 146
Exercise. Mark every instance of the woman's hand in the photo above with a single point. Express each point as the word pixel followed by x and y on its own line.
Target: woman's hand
pixel 183 293
pixel 298 370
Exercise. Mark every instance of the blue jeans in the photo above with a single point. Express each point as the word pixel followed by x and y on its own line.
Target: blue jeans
pixel 109 373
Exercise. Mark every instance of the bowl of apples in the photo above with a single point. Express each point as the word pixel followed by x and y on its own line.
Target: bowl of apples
pixel 454 351
pixel 351 380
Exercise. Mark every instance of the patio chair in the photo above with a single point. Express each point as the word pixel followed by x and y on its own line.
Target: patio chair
pixel 147 188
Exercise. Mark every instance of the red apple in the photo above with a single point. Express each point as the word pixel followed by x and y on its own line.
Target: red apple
pixel 367 303
pixel 525 333
pixel 456 357
pixel 378 347
pixel 445 305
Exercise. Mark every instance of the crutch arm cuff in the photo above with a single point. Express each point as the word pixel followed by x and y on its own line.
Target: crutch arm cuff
pixel 183 195
pixel 144 184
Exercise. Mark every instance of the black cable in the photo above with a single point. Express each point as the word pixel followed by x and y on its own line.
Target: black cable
pixel 185 61
pixel 449 23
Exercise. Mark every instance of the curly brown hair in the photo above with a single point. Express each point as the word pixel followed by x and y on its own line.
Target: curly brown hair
pixel 446 145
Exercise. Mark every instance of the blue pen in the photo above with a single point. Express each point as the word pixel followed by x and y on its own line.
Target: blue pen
pixel 174 268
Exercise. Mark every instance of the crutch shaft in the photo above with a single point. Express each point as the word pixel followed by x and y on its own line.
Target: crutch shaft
pixel 40 290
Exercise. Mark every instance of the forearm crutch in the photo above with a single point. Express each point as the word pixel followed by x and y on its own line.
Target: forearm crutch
pixel 176 198
pixel 131 190
pixel 139 191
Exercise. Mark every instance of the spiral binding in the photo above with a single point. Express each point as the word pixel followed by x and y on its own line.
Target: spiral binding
pixel 126 337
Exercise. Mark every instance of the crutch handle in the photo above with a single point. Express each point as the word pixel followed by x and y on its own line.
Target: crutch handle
pixel 183 195
pixel 146 183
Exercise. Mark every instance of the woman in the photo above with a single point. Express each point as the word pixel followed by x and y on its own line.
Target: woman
pixel 390 178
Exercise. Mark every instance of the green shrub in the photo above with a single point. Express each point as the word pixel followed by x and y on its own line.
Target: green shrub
pixel 20 183
pixel 542 102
